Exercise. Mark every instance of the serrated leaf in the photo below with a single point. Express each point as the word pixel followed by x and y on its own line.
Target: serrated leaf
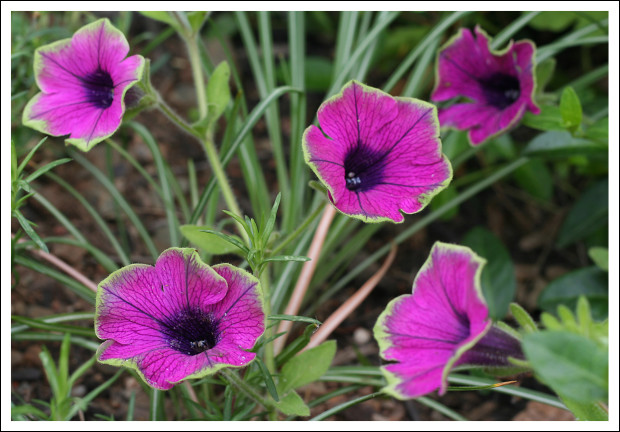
pixel 209 243
pixel 589 214
pixel 561 144
pixel 600 256
pixel 570 108
pixel 306 367
pixel 293 404
pixel 590 282
pixel 574 366
pixel 498 275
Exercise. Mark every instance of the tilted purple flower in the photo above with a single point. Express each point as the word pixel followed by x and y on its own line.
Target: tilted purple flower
pixel 381 155
pixel 83 81
pixel 500 85
pixel 444 323
pixel 179 319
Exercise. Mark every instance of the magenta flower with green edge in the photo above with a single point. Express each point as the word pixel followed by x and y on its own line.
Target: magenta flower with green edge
pixel 83 81
pixel 377 155
pixel 444 323
pixel 500 85
pixel 179 319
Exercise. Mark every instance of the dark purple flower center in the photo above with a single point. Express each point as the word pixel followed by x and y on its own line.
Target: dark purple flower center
pixel 191 331
pixel 363 168
pixel 500 90
pixel 99 88
pixel 494 349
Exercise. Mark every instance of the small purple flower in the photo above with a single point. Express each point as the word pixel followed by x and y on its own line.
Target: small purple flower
pixel 444 323
pixel 179 319
pixel 500 84
pixel 381 154
pixel 83 82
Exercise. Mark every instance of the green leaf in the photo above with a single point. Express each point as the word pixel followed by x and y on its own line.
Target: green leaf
pixel 599 131
pixel 524 319
pixel 271 221
pixel 306 367
pixel 570 107
pixel 207 242
pixel 46 168
pixel 590 282
pixel 589 214
pixel 271 387
pixel 25 224
pixel 575 367
pixel 293 404
pixel 218 92
pixel 295 318
pixel 535 178
pixel 600 256
pixel 196 19
pixel 549 118
pixel 297 258
pixel 544 72
pixel 163 17
pixel 561 144
pixel 297 345
pixel 498 275
pixel 553 20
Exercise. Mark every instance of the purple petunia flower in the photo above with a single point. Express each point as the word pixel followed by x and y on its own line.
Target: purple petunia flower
pixel 83 81
pixel 444 323
pixel 179 319
pixel 500 84
pixel 381 154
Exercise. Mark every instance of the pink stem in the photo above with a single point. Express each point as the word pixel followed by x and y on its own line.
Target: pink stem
pixel 64 267
pixel 305 276
pixel 340 314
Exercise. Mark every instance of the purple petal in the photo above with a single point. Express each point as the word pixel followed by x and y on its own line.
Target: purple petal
pixel 179 319
pixel 131 305
pixel 426 332
pixel 187 281
pixel 83 82
pixel 241 319
pixel 382 156
pixel 499 85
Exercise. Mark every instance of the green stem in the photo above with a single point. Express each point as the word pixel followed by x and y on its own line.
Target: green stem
pixel 194 59
pixel 175 118
pixel 246 389
pixel 222 182
pixel 269 358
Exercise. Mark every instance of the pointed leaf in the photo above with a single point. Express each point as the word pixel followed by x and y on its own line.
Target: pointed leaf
pixel 590 282
pixel 306 367
pixel 589 214
pixel 293 404
pixel 570 107
pixel 209 243
pixel 575 367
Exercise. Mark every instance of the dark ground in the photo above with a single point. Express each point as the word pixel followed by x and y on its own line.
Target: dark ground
pixel 526 228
